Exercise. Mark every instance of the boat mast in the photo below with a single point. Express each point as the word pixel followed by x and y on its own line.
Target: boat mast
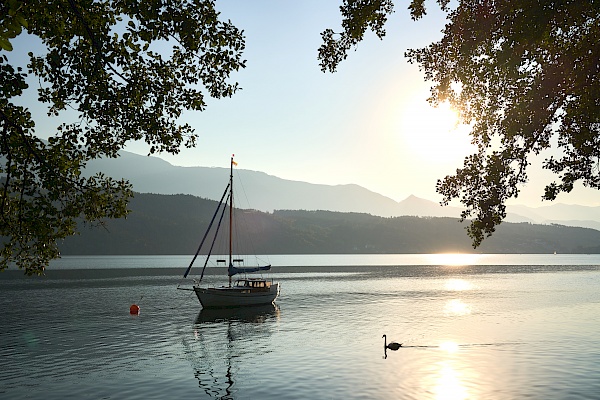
pixel 230 214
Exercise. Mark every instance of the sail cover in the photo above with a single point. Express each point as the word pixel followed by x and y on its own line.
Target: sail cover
pixel 235 270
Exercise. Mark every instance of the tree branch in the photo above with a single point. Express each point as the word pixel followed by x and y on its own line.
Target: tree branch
pixel 95 44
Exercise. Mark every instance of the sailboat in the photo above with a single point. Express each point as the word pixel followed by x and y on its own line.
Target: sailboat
pixel 244 291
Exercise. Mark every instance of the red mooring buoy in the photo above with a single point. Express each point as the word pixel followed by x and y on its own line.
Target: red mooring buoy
pixel 134 309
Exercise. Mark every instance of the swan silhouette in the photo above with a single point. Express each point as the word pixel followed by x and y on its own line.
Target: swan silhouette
pixel 392 346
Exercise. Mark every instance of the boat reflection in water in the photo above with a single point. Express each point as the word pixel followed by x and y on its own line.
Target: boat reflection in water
pixel 253 314
pixel 222 336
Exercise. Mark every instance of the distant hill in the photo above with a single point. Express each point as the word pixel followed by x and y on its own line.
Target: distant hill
pixel 269 193
pixel 174 224
pixel 564 214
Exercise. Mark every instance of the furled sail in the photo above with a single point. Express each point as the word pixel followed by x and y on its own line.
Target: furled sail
pixel 244 270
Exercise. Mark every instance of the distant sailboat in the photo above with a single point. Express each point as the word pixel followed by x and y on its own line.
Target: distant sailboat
pixel 244 291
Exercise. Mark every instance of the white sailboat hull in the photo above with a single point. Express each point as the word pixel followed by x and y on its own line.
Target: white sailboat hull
pixel 236 296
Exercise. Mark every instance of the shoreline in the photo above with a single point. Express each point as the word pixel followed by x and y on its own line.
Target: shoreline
pixel 395 270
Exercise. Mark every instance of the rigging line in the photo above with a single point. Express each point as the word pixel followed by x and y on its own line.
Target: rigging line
pixel 214 239
pixel 182 301
pixel 206 233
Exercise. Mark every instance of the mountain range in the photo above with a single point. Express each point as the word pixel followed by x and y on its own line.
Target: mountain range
pixel 269 193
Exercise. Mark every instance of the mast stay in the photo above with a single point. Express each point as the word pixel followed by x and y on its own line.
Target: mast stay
pixel 187 271
pixel 232 270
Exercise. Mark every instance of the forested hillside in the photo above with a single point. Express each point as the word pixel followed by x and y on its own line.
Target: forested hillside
pixel 175 224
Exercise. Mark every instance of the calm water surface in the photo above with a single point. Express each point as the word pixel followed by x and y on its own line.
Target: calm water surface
pixel 496 330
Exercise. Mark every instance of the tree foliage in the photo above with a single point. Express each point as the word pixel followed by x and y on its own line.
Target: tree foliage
pixel 358 17
pixel 525 74
pixel 126 69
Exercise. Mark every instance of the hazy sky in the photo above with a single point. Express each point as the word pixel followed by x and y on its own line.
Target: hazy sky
pixel 368 123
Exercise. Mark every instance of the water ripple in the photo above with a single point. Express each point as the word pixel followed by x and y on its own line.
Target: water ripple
pixel 484 335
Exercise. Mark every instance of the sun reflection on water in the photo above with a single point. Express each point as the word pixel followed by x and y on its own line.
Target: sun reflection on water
pixel 448 383
pixel 458 285
pixel 454 259
pixel 457 307
pixel 450 347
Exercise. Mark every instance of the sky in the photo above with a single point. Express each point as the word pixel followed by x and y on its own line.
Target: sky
pixel 367 124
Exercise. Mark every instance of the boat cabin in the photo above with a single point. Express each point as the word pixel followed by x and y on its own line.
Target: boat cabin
pixel 253 283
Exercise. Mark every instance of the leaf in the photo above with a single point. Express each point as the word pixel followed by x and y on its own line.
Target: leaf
pixel 21 20
pixel 5 44
pixel 116 96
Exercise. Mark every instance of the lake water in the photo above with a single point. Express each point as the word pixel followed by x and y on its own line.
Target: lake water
pixel 485 327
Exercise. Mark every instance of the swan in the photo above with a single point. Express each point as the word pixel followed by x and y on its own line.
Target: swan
pixel 392 345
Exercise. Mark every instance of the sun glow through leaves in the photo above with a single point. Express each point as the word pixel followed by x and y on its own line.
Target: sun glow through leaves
pixel 434 133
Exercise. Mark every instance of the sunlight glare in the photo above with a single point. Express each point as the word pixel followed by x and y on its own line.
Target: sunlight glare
pixel 449 385
pixel 454 259
pixel 450 347
pixel 458 285
pixel 435 133
pixel 457 307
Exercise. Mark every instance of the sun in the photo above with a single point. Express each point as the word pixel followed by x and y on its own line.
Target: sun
pixel 433 134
